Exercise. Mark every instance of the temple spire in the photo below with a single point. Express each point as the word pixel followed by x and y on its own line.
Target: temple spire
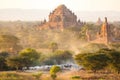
pixel 106 20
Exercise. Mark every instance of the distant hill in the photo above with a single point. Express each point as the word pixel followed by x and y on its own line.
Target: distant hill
pixel 37 15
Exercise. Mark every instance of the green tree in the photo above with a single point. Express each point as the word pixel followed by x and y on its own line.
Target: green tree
pixel 3 56
pixel 62 56
pixel 79 58
pixel 114 56
pixel 115 61
pixel 15 62
pixel 30 56
pixel 96 62
pixel 93 62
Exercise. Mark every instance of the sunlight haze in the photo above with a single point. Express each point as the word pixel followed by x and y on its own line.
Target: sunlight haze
pixel 33 10
pixel 79 5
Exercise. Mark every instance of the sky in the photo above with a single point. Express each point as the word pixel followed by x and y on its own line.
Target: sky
pixel 75 5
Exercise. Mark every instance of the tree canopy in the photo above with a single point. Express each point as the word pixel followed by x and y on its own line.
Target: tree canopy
pixel 3 56
pixel 30 55
pixel 103 59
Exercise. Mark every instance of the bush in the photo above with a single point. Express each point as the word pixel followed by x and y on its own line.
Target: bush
pixel 10 76
pixel 76 77
pixel 37 75
pixel 53 76
pixel 53 71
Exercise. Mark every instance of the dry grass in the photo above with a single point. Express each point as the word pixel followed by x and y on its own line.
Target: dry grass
pixel 67 75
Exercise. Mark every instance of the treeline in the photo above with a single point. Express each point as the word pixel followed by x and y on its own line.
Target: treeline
pixel 24 58
pixel 30 57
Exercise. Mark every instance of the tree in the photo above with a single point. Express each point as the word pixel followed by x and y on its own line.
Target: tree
pixel 54 70
pixel 30 56
pixel 114 56
pixel 15 62
pixel 79 58
pixel 115 61
pixel 58 57
pixel 62 56
pixel 3 56
pixel 53 46
pixel 96 62
pixel 65 55
pixel 93 62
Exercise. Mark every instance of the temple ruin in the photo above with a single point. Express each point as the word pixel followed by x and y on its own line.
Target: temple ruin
pixel 105 34
pixel 99 22
pixel 61 18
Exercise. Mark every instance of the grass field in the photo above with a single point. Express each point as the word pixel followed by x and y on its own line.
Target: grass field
pixel 66 75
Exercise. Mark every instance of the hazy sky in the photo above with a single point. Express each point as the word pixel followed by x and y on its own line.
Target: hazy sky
pixel 79 5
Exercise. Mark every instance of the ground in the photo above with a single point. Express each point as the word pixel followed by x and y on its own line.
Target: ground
pixel 64 75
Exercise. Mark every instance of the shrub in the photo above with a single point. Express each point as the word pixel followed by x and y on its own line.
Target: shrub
pixel 53 71
pixel 37 75
pixel 53 76
pixel 10 76
pixel 76 77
